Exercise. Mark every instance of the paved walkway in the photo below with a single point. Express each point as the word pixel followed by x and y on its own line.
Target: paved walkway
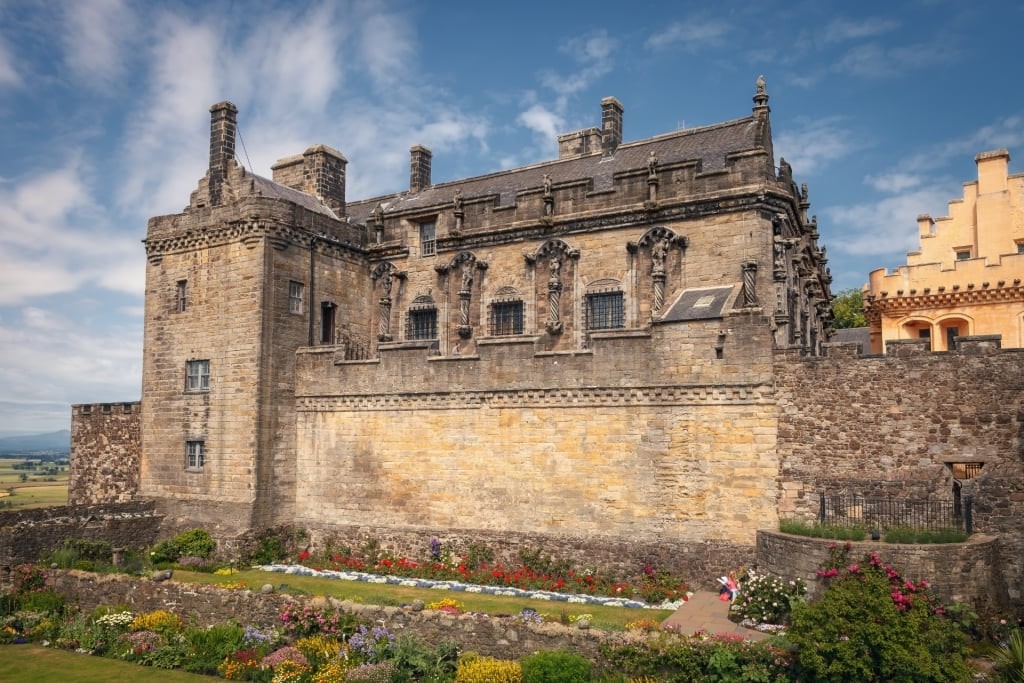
pixel 704 611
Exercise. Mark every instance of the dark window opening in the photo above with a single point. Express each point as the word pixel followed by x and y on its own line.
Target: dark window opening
pixel 327 311
pixel 422 324
pixel 295 296
pixel 963 255
pixel 605 311
pixel 428 241
pixel 197 375
pixel 195 455
pixel 951 334
pixel 181 295
pixel 506 318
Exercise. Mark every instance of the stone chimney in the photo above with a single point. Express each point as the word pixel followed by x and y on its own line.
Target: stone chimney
pixel 223 124
pixel 324 170
pixel 611 124
pixel 419 168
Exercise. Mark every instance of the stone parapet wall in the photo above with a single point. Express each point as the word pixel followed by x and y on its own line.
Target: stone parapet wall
pixel 208 605
pixel 106 451
pixel 958 572
pixel 27 535
pixel 698 563
pixel 895 424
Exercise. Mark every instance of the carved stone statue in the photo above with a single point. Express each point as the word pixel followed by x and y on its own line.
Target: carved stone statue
pixel 467 276
pixel 761 85
pixel 658 253
pixel 457 200
pixel 652 165
pixel 385 283
pixel 547 184
pixel 555 266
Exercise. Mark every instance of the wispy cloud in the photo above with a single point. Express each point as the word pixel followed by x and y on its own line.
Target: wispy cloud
pixel 691 35
pixel 95 35
pixel 8 73
pixel 844 29
pixel 886 226
pixel 814 144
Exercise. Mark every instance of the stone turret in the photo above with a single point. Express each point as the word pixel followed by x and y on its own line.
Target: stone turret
pixel 223 126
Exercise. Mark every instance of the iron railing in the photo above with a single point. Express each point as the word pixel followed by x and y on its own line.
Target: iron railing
pixel 876 512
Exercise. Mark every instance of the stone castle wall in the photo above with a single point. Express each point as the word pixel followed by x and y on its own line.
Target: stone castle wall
pixel 894 424
pixel 106 444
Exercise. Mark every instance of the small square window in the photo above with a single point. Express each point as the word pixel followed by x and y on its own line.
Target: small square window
pixel 422 324
pixel 963 254
pixel 1020 247
pixel 181 295
pixel 197 375
pixel 295 296
pixel 195 455
pixel 605 311
pixel 506 318
pixel 428 239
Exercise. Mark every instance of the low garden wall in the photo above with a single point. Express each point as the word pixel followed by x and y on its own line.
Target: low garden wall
pixel 27 535
pixel 206 605
pixel 958 572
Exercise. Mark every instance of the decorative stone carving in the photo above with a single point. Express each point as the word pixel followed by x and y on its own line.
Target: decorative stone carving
pixel 385 273
pixel 749 280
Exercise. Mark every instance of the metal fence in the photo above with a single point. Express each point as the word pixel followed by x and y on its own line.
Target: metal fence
pixel 875 512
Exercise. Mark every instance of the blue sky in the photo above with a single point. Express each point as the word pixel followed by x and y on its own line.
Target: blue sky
pixel 879 108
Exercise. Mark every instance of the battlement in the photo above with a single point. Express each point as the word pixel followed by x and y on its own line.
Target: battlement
pixel 123 408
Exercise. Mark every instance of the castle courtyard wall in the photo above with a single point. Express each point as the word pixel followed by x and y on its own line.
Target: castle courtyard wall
pixel 894 424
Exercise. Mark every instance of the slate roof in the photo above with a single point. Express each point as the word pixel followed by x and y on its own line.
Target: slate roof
pixel 268 188
pixel 709 144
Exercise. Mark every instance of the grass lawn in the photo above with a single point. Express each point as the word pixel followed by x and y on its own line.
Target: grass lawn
pixel 610 618
pixel 34 493
pixel 45 665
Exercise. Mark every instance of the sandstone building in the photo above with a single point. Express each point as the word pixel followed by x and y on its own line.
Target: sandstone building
pixel 619 356
pixel 966 277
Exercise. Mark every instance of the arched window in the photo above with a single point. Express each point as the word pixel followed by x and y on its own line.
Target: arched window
pixel 422 319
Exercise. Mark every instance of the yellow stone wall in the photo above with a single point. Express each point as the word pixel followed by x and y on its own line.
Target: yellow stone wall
pixel 936 291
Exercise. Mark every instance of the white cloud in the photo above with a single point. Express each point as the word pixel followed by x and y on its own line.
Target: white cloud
pixel 692 35
pixel 886 226
pixel 843 29
pixel 814 144
pixel 387 46
pixel 542 121
pixel 894 182
pixel 94 35
pixel 8 73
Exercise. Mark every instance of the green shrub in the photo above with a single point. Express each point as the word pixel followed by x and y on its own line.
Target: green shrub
pixel 1009 659
pixel 871 625
pixel 191 543
pixel 671 657
pixel 208 647
pixel 488 670
pixel 766 599
pixel 271 545
pixel 555 667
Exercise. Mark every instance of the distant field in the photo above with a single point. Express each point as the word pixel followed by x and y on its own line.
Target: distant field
pixel 33 493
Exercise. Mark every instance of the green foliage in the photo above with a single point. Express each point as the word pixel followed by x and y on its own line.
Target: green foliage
pixel 191 543
pixel 536 561
pixel 78 553
pixel 848 309
pixel 1009 659
pixel 555 667
pixel 488 670
pixel 671 657
pixel 871 625
pixel 416 661
pixel 766 599
pixel 380 672
pixel 478 555
pixel 814 530
pixel 208 647
pixel 271 545
pixel 45 601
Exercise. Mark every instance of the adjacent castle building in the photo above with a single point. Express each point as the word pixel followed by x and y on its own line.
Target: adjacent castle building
pixel 618 356
pixel 966 277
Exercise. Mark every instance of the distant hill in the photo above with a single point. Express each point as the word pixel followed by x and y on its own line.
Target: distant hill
pixel 53 441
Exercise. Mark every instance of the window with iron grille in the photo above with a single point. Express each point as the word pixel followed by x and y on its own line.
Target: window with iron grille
pixel 181 292
pixel 506 317
pixel 428 243
pixel 605 311
pixel 422 324
pixel 295 296
pixel 195 455
pixel 197 375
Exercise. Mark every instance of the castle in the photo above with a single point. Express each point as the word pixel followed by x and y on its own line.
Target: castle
pixel 619 354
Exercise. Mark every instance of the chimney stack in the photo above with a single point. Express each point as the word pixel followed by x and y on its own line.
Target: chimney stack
pixel 223 124
pixel 325 176
pixel 611 124
pixel 419 168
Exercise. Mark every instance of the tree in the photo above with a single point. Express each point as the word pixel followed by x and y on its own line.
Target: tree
pixel 848 309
